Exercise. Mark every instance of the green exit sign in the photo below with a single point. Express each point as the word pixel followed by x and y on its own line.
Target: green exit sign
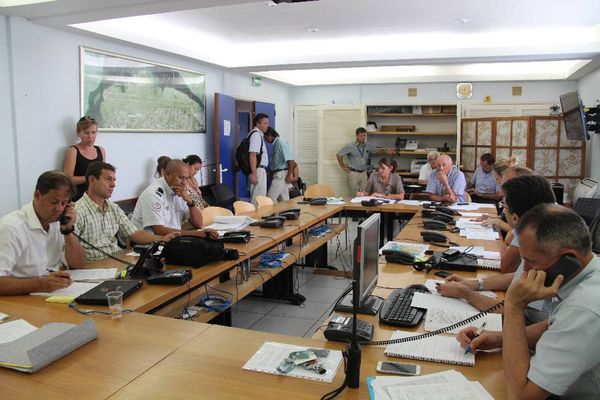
pixel 256 81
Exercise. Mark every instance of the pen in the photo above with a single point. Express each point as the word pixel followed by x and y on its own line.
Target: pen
pixel 478 332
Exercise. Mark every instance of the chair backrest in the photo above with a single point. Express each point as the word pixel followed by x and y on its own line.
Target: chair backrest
pixel 240 207
pixel 467 197
pixel 264 201
pixel 219 195
pixel 317 190
pixel 209 214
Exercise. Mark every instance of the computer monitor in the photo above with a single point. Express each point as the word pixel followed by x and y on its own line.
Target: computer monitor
pixel 366 268
pixel 574 116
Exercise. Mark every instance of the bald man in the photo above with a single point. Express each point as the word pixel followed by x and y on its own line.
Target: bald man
pixel 446 183
pixel 165 205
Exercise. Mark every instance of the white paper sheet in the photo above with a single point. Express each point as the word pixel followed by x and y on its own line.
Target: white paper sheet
pixel 437 318
pixel 381 383
pixel 444 391
pixel 425 300
pixel 74 290
pixel 13 330
pixel 96 274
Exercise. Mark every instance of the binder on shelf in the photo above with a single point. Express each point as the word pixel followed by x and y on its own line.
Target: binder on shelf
pixel 45 345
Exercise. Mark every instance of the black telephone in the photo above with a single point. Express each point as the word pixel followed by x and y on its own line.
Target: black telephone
pixel 435 237
pixel 235 237
pixel 446 210
pixel 270 223
pixel 147 263
pixel 438 216
pixel 64 219
pixel 566 266
pixel 291 213
pixel 339 329
pixel 434 225
pixel 398 256
pixel 371 203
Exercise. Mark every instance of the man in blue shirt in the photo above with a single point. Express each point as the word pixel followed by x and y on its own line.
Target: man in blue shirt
pixel 282 166
pixel 483 186
pixel 446 183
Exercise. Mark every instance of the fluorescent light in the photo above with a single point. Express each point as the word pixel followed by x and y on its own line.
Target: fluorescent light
pixel 14 3
pixel 542 70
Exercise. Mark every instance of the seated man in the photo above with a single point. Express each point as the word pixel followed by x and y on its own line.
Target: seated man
pixel 99 220
pixel 165 205
pixel 567 356
pixel 446 183
pixel 521 194
pixel 427 168
pixel 483 187
pixel 33 244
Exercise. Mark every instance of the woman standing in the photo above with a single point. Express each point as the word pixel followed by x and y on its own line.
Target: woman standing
pixel 385 183
pixel 195 164
pixel 83 154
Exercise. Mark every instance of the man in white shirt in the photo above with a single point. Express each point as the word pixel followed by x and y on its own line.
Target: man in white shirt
pixel 427 168
pixel 258 157
pixel 34 245
pixel 165 205
pixel 554 242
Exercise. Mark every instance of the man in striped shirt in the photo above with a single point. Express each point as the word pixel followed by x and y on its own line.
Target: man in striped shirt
pixel 99 220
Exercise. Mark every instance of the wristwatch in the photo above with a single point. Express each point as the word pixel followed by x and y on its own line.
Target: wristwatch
pixel 191 204
pixel 481 287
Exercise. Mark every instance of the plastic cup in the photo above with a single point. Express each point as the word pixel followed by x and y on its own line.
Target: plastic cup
pixel 115 304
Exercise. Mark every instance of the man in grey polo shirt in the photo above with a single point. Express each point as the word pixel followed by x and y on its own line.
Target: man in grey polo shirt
pixel 357 154
pixel 567 356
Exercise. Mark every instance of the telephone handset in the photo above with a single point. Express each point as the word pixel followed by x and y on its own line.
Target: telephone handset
pixel 434 225
pixel 566 266
pixel 398 256
pixel 435 237
pixel 64 219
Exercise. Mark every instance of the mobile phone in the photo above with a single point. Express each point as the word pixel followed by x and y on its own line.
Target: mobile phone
pixel 566 266
pixel 390 367
pixel 442 274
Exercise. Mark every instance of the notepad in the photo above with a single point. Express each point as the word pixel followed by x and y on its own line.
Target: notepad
pixel 483 263
pixel 271 354
pixel 92 274
pixel 438 318
pixel 442 349
pixel 13 330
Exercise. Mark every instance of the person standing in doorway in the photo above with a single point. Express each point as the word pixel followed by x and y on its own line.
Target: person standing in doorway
pixel 282 166
pixel 258 157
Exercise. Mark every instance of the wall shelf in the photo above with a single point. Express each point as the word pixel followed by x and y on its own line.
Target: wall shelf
pixel 412 133
pixel 392 152
pixel 409 115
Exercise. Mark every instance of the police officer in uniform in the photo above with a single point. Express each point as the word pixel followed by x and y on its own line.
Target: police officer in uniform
pixel 165 205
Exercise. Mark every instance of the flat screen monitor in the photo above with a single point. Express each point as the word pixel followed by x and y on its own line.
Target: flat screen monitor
pixel 574 116
pixel 366 268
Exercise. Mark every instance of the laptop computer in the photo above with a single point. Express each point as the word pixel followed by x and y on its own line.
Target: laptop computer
pixel 97 295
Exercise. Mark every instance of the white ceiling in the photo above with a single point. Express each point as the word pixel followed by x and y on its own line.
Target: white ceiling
pixel 252 36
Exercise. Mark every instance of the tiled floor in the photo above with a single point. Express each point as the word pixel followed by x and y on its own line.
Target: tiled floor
pixel 321 292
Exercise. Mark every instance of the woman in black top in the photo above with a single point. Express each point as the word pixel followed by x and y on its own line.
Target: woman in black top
pixel 83 154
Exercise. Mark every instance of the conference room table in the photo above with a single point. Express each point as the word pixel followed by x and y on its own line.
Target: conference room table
pixel 152 357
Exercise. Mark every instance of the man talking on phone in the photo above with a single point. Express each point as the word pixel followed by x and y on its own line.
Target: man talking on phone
pixel 34 244
pixel 555 243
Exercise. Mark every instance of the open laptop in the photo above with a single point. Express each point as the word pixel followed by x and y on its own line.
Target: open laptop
pixel 97 296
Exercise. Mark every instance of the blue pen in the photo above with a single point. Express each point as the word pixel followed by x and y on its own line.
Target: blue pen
pixel 478 332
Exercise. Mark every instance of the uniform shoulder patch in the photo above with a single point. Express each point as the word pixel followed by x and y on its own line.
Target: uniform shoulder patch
pixel 160 191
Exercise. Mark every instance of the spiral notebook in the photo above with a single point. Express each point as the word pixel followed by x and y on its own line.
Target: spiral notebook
pixel 483 263
pixel 443 349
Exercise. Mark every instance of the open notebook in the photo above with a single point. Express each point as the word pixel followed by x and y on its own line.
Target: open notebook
pixel 443 349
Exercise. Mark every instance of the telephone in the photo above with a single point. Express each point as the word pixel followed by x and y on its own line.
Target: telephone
pixel 398 256
pixel 291 213
pixel 235 237
pixel 434 225
pixel 446 210
pixel 566 266
pixel 318 201
pixel 339 329
pixel 64 219
pixel 147 263
pixel 438 216
pixel 172 277
pixel 435 237
pixel 371 202
pixel 270 223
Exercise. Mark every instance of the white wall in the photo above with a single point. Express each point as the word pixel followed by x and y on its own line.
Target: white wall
pixel 500 92
pixel 589 89
pixel 45 64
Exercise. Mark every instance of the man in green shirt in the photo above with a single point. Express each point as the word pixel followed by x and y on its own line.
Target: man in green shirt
pixel 357 153
pixel 99 220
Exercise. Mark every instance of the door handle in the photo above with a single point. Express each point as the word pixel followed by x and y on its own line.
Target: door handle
pixel 221 170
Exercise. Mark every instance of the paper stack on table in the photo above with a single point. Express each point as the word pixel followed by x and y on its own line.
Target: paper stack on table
pixel 447 385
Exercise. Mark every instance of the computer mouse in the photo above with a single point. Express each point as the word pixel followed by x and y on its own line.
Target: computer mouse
pixel 420 287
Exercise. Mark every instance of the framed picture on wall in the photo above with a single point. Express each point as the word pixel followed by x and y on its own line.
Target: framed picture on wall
pixel 128 94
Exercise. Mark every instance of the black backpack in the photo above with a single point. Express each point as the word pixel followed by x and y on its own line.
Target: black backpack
pixel 242 154
pixel 191 251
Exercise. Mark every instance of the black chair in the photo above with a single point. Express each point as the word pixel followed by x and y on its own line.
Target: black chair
pixel 587 208
pixel 219 195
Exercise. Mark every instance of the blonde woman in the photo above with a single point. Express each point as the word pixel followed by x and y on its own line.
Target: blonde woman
pixel 82 154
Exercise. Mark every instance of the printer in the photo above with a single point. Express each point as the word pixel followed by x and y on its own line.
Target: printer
pixel 416 164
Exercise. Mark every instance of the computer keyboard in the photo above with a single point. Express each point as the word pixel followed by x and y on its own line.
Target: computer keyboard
pixel 396 309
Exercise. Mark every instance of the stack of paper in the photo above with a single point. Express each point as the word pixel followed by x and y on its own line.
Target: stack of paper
pixel 95 274
pixel 447 385
pixel 335 200
pixel 230 223
pixel 416 249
